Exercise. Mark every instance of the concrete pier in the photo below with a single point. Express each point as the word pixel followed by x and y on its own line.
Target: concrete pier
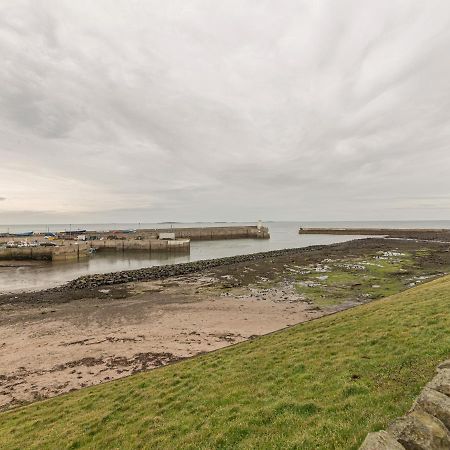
pixel 57 253
pixel 211 233
pixel 429 234
pixel 149 245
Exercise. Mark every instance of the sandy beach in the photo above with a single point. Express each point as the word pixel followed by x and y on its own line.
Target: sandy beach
pixel 49 350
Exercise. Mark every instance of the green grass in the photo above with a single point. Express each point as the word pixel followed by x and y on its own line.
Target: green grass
pixel 318 385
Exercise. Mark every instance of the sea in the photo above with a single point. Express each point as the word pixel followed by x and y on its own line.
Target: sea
pixel 33 275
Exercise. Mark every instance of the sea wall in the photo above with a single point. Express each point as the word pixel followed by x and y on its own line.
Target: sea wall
pixel 403 233
pixel 426 426
pixel 19 253
pixel 212 233
pixel 63 253
pixel 70 252
pixel 192 233
pixel 149 245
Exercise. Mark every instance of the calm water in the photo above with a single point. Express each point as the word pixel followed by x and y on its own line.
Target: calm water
pixel 36 276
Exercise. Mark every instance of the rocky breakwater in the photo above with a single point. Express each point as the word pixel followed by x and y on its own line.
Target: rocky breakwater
pixel 157 272
pixel 426 426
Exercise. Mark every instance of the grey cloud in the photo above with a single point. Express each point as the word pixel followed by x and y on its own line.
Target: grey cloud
pixel 197 110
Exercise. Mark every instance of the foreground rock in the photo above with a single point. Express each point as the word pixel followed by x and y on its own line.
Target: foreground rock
pixel 419 430
pixel 426 426
pixel 381 441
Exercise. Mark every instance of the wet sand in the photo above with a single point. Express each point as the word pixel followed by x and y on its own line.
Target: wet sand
pixel 48 350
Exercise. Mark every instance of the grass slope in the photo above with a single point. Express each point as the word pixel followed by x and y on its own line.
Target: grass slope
pixel 319 385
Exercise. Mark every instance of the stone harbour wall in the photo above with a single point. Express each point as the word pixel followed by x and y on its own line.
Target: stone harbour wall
pixel 149 245
pixel 59 253
pixel 19 253
pixel 426 426
pixel 212 233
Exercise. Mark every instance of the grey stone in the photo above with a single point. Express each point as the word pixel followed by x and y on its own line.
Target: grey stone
pixel 420 431
pixel 381 440
pixel 158 272
pixel 441 382
pixel 436 404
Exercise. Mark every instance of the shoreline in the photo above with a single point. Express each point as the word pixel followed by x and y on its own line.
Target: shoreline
pixel 113 325
pixel 121 277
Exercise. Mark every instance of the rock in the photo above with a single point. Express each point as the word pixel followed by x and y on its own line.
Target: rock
pixel 380 441
pixel 441 382
pixel 436 404
pixel 157 272
pixel 420 431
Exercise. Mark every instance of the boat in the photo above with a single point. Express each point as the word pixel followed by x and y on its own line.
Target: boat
pixel 24 234
pixel 123 231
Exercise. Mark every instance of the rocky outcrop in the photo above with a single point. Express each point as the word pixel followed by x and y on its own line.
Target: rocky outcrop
pixel 158 272
pixel 426 426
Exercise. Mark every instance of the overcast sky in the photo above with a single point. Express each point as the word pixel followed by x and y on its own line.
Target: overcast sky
pixel 224 110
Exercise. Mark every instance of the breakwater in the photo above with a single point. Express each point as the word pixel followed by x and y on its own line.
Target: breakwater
pixel 429 234
pixel 56 253
pixel 148 245
pixel 149 240
pixel 159 272
pixel 38 248
pixel 211 233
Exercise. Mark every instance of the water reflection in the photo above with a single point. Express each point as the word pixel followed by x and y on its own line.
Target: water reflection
pixel 42 275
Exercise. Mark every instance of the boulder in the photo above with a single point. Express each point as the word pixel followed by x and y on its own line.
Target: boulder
pixel 420 431
pixel 441 382
pixel 380 441
pixel 436 404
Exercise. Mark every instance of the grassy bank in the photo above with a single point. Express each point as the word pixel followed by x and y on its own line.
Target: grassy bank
pixel 318 385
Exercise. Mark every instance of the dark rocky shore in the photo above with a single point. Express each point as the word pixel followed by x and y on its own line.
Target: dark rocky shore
pixel 86 286
pixel 81 287
pixel 158 272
